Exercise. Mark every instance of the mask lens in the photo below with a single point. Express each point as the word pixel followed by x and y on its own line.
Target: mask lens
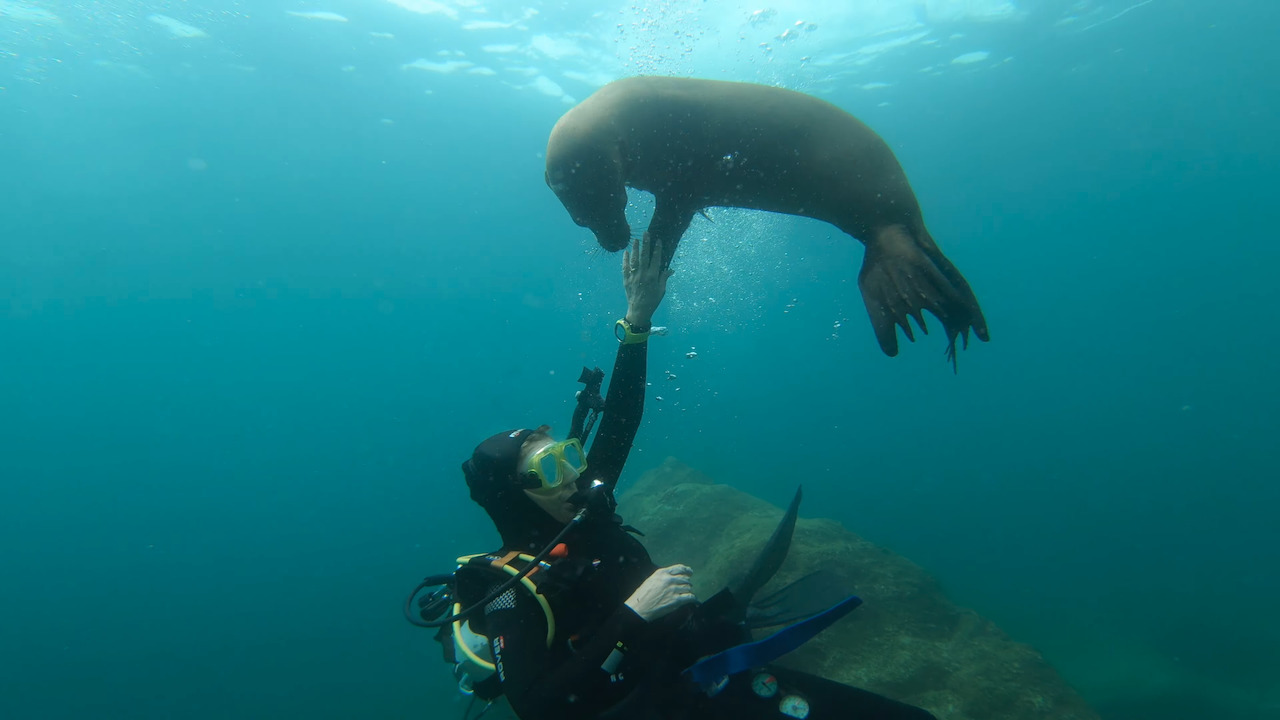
pixel 547 470
pixel 573 456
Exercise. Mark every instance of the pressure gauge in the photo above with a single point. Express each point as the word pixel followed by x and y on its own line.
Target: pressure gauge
pixel 764 685
pixel 794 706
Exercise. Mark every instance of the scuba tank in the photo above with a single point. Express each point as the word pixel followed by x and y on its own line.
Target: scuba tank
pixel 476 664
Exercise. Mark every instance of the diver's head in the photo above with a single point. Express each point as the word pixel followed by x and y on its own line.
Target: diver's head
pixel 549 472
pixel 519 473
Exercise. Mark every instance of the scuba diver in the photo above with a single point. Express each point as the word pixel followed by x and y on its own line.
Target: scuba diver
pixel 572 619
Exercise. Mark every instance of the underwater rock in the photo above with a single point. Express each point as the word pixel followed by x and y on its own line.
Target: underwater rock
pixel 907 641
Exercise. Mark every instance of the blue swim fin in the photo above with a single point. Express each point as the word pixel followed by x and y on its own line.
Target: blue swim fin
pixel 711 672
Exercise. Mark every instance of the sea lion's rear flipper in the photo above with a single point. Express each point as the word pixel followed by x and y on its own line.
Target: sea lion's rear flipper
pixel 902 276
pixel 768 561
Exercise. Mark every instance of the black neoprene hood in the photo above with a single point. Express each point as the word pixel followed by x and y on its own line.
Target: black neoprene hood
pixel 492 466
pixel 491 476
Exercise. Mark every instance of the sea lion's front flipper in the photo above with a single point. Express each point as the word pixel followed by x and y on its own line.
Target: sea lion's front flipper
pixel 671 218
pixel 902 276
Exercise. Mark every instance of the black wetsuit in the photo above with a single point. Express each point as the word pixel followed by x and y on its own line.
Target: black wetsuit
pixel 605 661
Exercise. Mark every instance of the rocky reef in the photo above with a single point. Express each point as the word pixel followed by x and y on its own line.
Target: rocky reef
pixel 907 641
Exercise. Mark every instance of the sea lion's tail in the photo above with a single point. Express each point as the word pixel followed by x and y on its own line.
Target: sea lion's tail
pixel 902 276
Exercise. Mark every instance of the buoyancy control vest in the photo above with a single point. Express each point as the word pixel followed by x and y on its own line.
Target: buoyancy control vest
pixel 464 641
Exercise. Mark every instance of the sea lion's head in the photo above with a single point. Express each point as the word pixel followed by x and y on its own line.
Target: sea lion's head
pixel 586 174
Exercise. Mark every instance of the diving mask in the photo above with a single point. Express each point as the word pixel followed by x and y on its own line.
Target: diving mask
pixel 554 465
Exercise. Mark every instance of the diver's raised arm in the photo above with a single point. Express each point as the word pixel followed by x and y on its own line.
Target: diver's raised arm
pixel 645 282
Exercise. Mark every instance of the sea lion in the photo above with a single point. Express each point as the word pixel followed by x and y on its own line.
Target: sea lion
pixel 701 143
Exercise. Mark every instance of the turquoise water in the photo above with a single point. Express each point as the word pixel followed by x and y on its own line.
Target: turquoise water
pixel 270 277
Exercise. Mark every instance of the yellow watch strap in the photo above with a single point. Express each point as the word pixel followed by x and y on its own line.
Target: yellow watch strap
pixel 628 336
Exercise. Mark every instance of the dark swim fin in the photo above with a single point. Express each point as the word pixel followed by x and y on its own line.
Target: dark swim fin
pixel 768 561
pixel 804 598
pixel 806 607
pixel 712 672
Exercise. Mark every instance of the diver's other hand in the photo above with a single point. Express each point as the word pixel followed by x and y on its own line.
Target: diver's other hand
pixel 644 280
pixel 663 592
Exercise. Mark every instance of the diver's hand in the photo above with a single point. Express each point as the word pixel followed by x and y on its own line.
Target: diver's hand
pixel 644 280
pixel 663 592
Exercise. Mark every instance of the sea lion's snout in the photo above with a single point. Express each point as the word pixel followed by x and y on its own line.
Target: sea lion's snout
pixel 600 209
pixel 614 238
